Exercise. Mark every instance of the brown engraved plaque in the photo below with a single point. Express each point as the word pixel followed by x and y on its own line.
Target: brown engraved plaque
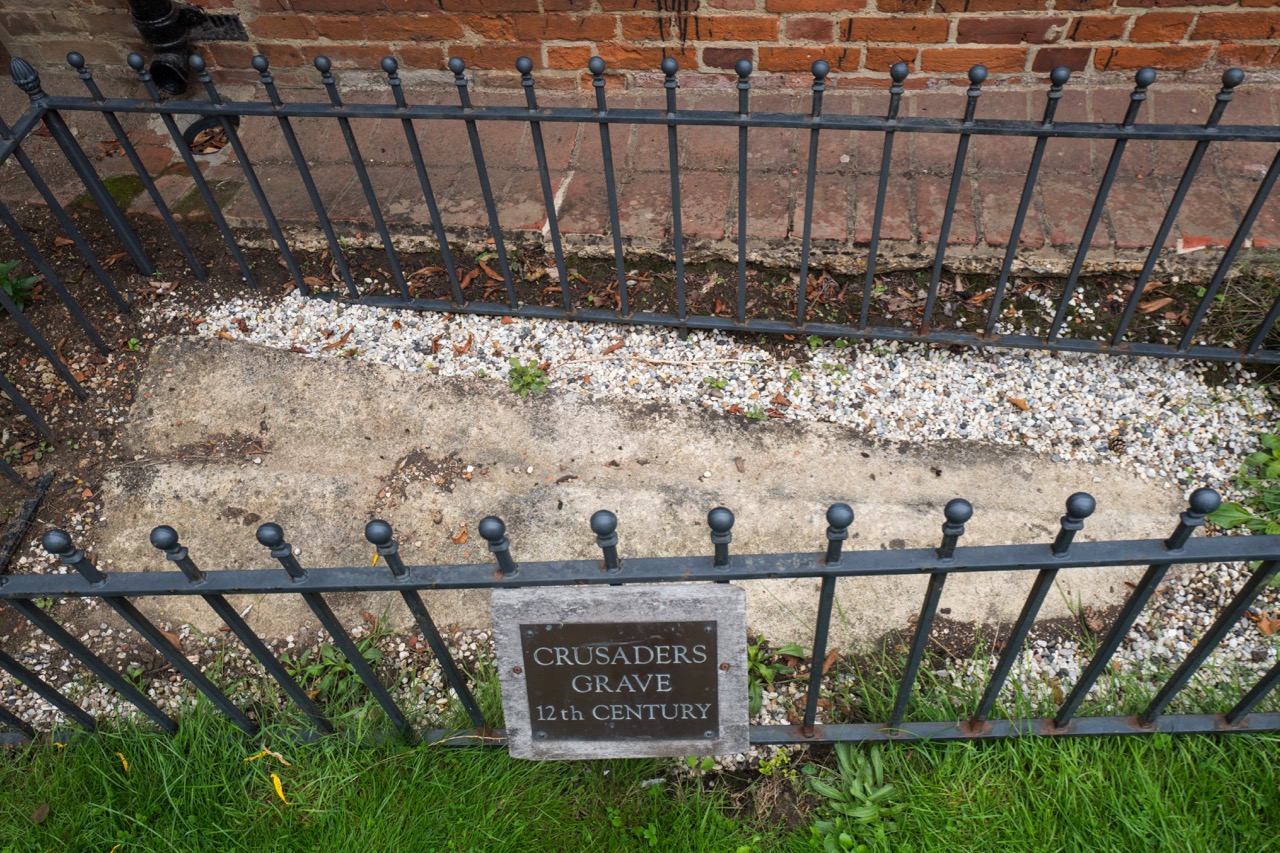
pixel 622 680
pixel 622 671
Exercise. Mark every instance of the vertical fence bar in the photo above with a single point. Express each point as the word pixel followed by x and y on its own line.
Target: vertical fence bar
pixel 59 213
pixel 1229 257
pixel 165 538
pixel 95 664
pixel 898 73
pixel 29 329
pixel 16 723
pixel 1079 507
pixel 137 63
pixel 15 397
pixel 1144 78
pixel 271 536
pixel 956 512
pixel 1057 79
pixel 458 67
pixel 263 68
pixel 1227 619
pixel 525 66
pixel 59 544
pixel 76 61
pixel 1255 695
pixel 250 175
pixel 323 65
pixel 1202 503
pixel 821 68
pixel 380 535
pixel 839 517
pixel 390 68
pixel 743 68
pixel 669 69
pixel 977 74
pixel 26 79
pixel 46 691
pixel 11 475
pixel 1230 79
pixel 596 66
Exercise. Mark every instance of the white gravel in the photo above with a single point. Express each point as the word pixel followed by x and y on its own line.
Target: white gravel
pixel 1174 426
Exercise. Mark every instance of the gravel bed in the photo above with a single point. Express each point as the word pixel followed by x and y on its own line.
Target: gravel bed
pixel 1167 421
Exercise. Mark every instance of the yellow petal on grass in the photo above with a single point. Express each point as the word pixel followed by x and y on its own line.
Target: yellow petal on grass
pixel 114 849
pixel 275 780
pixel 124 762
pixel 277 756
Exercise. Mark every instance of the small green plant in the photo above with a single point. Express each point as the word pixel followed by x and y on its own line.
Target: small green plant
pixel 779 765
pixel 46 604
pixel 527 379
pixel 133 345
pixel 756 413
pixel 19 288
pixel 700 765
pixel 840 343
pixel 1259 480
pixel 328 673
pixel 858 802
pixel 715 382
pixel 795 375
pixel 137 675
pixel 43 449
pixel 814 341
pixel 763 667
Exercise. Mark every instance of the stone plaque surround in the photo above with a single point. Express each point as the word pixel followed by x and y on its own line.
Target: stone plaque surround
pixel 618 710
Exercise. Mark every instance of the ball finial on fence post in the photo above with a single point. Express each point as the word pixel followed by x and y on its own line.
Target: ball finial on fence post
pixel 379 534
pixel 604 524
pixel 165 538
pixel 1079 507
pixel 1203 502
pixel 957 512
pixel 720 520
pixel 839 517
pixel 271 536
pixel 494 531
pixel 59 544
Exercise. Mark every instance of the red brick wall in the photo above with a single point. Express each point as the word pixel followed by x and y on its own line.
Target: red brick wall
pixel 860 38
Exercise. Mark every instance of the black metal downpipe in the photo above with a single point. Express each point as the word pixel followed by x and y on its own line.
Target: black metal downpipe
pixel 168 28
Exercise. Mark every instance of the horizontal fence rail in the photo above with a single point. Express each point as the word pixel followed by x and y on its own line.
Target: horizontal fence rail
pixel 119 588
pixel 46 111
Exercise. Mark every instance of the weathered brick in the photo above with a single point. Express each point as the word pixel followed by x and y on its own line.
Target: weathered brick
pixel 820 5
pixel 558 26
pixel 425 27
pixel 735 28
pixel 1098 28
pixel 809 28
pixel 725 57
pixel 294 26
pixel 1161 26
pixel 43 23
pixel 490 27
pixel 1151 3
pixel 908 6
pixel 622 57
pixel 571 57
pixel 884 58
pixel 637 6
pixel 945 6
pixel 360 7
pixel 802 58
pixel 340 27
pixel 355 55
pixel 964 58
pixel 655 28
pixel 1177 58
pixel 1254 55
pixel 734 5
pixel 1267 3
pixel 502 56
pixel 1081 5
pixel 1230 26
pixel 421 56
pixel 563 5
pixel 489 5
pixel 1049 58
pixel 1010 30
pixel 908 30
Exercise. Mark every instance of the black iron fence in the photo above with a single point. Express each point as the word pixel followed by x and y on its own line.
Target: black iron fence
pixel 118 589
pixel 46 111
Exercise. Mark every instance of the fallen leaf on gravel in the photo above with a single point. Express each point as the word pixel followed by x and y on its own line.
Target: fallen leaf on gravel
pixel 829 661
pixel 460 538
pixel 1019 402
pixel 1154 304
pixel 339 342
pixel 222 334
pixel 173 638
pixel 312 281
pixel 488 270
pixel 468 278
pixel 1092 619
pixel 462 350
pixel 780 399
pixel 507 321
pixel 615 346
pixel 63 241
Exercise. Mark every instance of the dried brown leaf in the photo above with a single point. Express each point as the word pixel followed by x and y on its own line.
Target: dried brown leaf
pixel 465 348
pixel 339 342
pixel 460 538
pixel 615 346
pixel 1154 304
pixel 1019 402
